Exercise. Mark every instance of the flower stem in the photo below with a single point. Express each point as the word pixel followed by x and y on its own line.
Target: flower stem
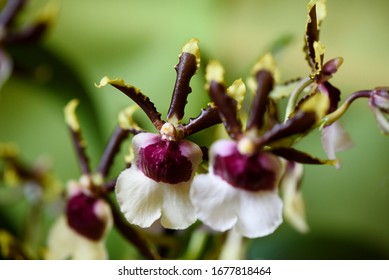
pixel 295 94
pixel 334 116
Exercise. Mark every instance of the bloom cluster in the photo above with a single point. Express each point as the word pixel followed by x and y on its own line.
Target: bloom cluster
pixel 246 172
pixel 247 180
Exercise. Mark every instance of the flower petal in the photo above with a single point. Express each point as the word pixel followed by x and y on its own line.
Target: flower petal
pixel 60 240
pixel 294 208
pixel 177 209
pixel 260 213
pixel 64 243
pixel 215 201
pixel 382 120
pixel 86 249
pixel 139 197
pixel 334 139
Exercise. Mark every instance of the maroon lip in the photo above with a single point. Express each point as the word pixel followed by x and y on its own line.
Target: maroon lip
pixel 82 218
pixel 251 173
pixel 163 162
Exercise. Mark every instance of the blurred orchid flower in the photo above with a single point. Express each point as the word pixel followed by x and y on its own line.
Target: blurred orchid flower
pixel 240 192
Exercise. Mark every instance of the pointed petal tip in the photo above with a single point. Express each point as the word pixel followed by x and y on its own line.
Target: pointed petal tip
pixel 70 115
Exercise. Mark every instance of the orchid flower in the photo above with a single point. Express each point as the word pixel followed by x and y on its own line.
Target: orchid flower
pixel 164 163
pixel 240 191
pixel 80 233
pixel 334 137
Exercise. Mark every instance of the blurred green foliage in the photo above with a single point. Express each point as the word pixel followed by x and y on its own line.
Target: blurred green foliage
pixel 139 41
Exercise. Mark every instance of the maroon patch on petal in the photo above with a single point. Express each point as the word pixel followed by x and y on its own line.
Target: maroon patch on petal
pixel 81 217
pixel 251 173
pixel 164 162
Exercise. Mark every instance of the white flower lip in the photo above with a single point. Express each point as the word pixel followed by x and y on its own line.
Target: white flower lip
pixel 222 206
pixel 64 243
pixel 143 199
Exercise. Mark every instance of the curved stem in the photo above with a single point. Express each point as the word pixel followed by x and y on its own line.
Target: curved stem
pixel 334 116
pixel 295 94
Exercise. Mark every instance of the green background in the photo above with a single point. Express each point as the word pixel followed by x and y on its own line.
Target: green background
pixel 347 209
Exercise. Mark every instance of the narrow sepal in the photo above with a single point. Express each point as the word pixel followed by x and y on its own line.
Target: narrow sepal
pixel 265 84
pixel 300 157
pixel 112 149
pixel 138 97
pixel 10 10
pixel 207 118
pixel 185 69
pixel 311 36
pixel 74 128
pixel 301 123
pixel 313 49
pixel 227 108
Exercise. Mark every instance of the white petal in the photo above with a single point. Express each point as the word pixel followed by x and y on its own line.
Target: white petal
pixel 382 120
pixel 260 213
pixel 65 243
pixel 139 197
pixel 177 209
pixel 60 241
pixel 222 148
pixel 294 208
pixel 335 139
pixel 216 202
pixel 86 249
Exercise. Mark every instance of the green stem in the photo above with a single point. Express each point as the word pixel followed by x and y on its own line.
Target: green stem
pixel 295 94
pixel 334 116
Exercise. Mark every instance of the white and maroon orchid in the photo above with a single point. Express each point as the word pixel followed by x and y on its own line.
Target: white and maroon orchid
pixel 240 192
pixel 164 163
pixel 81 232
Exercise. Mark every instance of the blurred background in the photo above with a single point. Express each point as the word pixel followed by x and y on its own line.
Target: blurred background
pixel 139 41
